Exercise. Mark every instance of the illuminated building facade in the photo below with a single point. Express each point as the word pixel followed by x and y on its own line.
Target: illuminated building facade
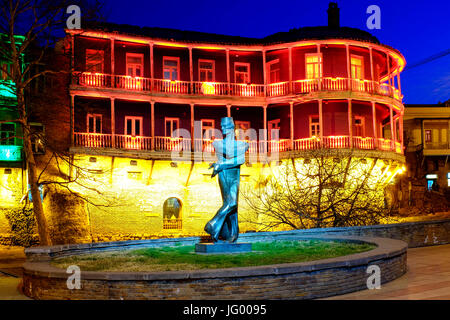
pixel 310 88
pixel 427 128
pixel 12 171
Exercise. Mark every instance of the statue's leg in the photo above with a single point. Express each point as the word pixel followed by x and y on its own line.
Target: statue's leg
pixel 228 188
pixel 214 226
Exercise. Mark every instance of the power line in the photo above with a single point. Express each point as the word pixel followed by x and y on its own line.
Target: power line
pixel 429 59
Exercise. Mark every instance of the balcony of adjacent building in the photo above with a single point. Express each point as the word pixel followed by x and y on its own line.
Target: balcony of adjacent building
pixel 182 71
pixel 157 130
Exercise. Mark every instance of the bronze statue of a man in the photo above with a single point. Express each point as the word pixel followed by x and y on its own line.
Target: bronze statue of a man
pixel 230 156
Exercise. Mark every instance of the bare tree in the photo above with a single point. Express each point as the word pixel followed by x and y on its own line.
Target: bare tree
pixel 326 189
pixel 40 23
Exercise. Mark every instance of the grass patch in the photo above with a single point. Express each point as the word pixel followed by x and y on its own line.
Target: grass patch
pixel 184 257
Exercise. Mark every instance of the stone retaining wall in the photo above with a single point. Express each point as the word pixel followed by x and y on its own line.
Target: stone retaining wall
pixel 306 280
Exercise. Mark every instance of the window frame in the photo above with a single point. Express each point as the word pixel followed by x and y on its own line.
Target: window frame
pixel 237 123
pixel 247 64
pixel 171 58
pixel 14 139
pixel 171 119
pixel 133 126
pixel 426 135
pixel 269 71
pixel 363 125
pixel 269 130
pixel 352 65
pixel 132 54
pixel 94 116
pixel 320 63
pixel 213 69
pixel 211 128
pixel 102 59
pixel 314 124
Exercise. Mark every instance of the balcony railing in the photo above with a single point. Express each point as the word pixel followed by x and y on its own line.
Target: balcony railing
pixel 97 140
pixel 234 89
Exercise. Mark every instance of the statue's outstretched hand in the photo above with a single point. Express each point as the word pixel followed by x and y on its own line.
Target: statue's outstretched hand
pixel 216 168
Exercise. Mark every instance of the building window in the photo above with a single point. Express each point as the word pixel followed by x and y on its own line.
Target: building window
pixel 171 68
pixel 359 126
pixel 7 133
pixel 241 128
pixel 356 67
pixel 273 127
pixel 313 65
pixel 94 61
pixel 135 64
pixel 94 123
pixel 37 138
pixel 171 124
pixel 133 126
pixel 273 70
pixel 241 72
pixel 206 70
pixel 428 136
pixel 208 128
pixel 314 126
pixel 172 214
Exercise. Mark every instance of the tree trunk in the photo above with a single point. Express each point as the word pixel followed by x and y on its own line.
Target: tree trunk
pixel 43 231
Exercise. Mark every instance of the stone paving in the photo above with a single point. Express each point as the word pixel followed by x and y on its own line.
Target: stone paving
pixel 428 277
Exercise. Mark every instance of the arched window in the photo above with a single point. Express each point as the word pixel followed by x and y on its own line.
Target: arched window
pixel 172 214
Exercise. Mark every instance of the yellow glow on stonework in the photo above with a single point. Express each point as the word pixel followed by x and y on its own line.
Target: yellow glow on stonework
pixel 138 188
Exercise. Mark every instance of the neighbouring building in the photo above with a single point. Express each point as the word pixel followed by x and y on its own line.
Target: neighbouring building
pixel 146 103
pixel 427 130
pixel 12 168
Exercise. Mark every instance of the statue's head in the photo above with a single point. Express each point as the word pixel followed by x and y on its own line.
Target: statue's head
pixel 227 125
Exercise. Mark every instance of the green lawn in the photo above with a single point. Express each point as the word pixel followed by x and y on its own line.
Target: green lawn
pixel 184 257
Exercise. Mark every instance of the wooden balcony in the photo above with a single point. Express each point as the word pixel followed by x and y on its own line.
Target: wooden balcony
pixel 304 86
pixel 169 144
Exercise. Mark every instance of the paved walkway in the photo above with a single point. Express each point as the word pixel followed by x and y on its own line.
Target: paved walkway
pixel 428 277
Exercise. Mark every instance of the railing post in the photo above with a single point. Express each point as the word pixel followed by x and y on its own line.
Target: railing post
pixel 113 123
pixel 72 116
pixel 191 72
pixel 347 51
pixel 319 84
pixel 392 128
pixel 291 118
pixel 290 70
pixel 228 71
pixel 374 122
pixel 321 122
pixel 371 70
pixel 152 76
pixel 390 91
pixel 192 128
pixel 113 78
pixel 264 72
pixel 350 123
pixel 152 115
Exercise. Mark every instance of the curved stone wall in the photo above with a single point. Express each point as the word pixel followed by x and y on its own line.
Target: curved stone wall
pixel 306 280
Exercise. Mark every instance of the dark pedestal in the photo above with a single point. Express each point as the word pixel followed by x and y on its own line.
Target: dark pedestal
pixel 222 247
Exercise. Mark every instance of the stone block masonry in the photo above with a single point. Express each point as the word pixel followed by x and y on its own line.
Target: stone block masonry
pixel 306 280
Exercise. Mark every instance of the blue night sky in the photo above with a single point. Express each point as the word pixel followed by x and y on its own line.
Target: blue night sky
pixel 418 29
